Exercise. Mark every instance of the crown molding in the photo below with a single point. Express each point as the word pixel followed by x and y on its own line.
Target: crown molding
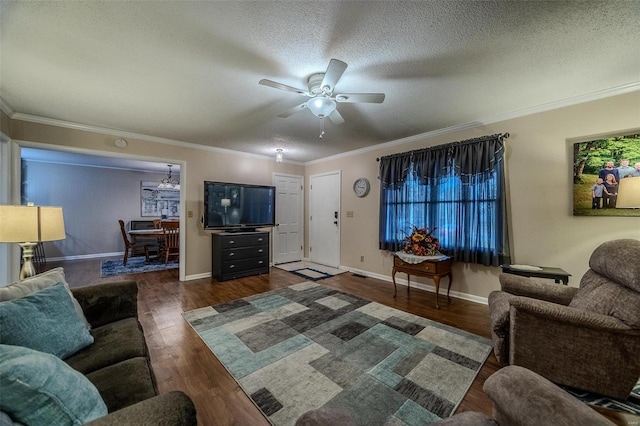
pixel 6 108
pixel 601 94
pixel 131 135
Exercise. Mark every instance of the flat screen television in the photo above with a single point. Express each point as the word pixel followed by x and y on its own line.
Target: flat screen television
pixel 238 207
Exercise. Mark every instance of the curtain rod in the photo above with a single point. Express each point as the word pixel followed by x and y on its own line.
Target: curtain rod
pixel 500 136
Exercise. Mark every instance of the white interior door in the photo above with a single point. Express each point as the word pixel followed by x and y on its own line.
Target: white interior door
pixel 324 219
pixel 289 229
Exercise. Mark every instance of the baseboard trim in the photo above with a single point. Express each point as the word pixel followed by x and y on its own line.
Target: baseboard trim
pixel 421 286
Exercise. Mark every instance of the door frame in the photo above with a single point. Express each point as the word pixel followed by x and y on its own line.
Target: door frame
pixel 338 190
pixel 300 209
pixel 183 178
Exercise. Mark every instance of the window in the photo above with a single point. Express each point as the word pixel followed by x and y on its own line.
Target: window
pixel 467 211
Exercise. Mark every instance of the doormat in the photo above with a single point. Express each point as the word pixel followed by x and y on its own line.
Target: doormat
pixel 135 265
pixel 308 346
pixel 309 270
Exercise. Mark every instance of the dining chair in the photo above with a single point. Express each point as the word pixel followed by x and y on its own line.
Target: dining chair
pixel 171 236
pixel 131 249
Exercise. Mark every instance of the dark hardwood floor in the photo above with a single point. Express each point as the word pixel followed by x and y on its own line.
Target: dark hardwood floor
pixel 181 360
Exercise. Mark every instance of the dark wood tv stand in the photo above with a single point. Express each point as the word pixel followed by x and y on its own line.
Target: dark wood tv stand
pixel 239 254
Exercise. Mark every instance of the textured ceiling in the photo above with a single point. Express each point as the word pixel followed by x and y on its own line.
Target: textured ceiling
pixel 189 71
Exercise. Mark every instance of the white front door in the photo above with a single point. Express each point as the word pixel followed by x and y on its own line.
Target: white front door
pixel 324 219
pixel 288 232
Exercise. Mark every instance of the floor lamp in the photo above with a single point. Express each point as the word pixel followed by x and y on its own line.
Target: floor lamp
pixel 28 225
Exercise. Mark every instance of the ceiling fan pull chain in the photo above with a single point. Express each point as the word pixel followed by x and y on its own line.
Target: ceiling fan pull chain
pixel 322 132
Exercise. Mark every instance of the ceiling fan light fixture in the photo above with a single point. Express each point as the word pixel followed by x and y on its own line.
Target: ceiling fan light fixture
pixel 321 106
pixel 279 155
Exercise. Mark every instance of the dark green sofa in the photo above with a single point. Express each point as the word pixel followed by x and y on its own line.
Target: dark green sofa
pixel 117 363
pixel 115 359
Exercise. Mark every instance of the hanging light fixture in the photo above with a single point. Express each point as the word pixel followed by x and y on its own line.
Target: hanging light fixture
pixel 321 106
pixel 279 155
pixel 169 182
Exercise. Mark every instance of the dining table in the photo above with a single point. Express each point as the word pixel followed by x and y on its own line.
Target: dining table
pixel 136 233
pixel 152 236
pixel 142 235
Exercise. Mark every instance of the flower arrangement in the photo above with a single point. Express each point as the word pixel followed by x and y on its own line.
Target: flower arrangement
pixel 421 242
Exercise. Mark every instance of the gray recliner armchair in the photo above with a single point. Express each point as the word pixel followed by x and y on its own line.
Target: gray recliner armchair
pixel 586 337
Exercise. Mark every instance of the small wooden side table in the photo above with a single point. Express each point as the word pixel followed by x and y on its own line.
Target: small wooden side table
pixel 430 268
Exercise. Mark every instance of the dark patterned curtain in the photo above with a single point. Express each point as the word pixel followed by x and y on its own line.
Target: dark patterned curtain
pixel 457 188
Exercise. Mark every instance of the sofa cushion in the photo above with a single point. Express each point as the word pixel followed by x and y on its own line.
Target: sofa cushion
pixel 45 321
pixel 125 383
pixel 40 389
pixel 600 295
pixel 39 282
pixel 113 342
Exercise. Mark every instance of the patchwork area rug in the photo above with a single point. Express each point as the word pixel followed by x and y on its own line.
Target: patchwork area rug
pixel 309 270
pixel 308 346
pixel 135 265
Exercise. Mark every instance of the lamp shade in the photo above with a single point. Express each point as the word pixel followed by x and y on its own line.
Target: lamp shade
pixel 20 224
pixel 321 106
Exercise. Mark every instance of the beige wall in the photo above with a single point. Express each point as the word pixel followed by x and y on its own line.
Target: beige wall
pixel 539 162
pixel 197 165
pixel 539 176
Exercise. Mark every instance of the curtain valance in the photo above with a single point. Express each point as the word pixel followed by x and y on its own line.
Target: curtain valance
pixel 468 158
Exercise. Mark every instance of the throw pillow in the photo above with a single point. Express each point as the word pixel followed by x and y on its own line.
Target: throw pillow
pixel 40 389
pixel 45 321
pixel 38 282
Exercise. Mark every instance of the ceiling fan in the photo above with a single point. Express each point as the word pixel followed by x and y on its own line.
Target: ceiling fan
pixel 323 101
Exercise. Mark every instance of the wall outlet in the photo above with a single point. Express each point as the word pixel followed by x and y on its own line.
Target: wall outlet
pixel 350 213
pixel 190 213
pixel 361 258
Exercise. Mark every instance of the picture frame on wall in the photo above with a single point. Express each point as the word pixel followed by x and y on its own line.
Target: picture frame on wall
pixel 155 202
pixel 606 176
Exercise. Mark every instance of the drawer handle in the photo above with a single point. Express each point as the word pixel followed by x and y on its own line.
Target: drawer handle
pixel 232 266
pixel 260 250
pixel 260 239
pixel 260 262
pixel 232 254
pixel 231 242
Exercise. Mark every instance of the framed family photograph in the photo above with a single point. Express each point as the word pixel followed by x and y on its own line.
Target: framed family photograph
pixel 606 176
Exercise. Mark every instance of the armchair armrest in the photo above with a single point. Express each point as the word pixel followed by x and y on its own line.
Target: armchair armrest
pixel 536 289
pixel 570 316
pixel 522 397
pixel 169 409
pixel 108 302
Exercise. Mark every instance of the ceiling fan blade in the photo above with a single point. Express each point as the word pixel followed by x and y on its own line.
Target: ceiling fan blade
pixel 370 98
pixel 332 75
pixel 293 110
pixel 281 86
pixel 335 117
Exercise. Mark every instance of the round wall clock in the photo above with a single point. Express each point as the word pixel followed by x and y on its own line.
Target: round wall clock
pixel 361 187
